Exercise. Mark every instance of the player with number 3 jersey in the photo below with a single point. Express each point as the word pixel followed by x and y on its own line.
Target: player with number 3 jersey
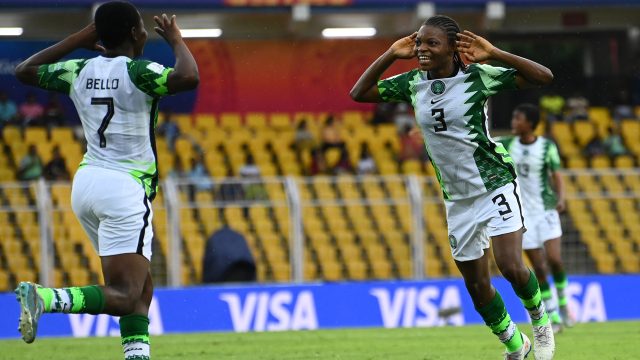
pixel 476 174
pixel 116 96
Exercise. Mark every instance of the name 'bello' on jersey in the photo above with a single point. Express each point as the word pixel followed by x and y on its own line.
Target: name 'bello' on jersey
pixel 452 115
pixel 534 164
pixel 116 99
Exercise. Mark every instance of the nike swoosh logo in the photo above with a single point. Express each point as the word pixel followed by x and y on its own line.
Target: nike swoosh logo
pixel 435 101
pixel 506 218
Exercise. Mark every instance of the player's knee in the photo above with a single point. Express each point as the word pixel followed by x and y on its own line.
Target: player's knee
pixel 129 296
pixel 511 270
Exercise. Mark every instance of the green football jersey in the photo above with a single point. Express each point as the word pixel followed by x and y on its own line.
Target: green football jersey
pixel 452 115
pixel 117 102
pixel 534 164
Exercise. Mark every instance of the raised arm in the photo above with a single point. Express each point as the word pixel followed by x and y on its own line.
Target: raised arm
pixel 27 71
pixel 477 49
pixel 366 89
pixel 185 75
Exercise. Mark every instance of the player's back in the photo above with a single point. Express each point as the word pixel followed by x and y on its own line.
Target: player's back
pixel 117 117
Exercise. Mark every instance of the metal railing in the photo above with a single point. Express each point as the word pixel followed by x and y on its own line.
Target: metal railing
pixel 343 207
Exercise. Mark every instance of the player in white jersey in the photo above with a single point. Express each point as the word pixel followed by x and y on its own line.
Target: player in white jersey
pixel 476 174
pixel 116 97
pixel 537 164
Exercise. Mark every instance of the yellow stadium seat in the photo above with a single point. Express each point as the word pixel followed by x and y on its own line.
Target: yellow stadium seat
pixel 624 162
pixel 61 135
pixel 600 162
pixel 280 121
pixel 12 134
pixel 35 135
pixel 584 131
pixel 230 121
pixel 601 117
pixel 256 121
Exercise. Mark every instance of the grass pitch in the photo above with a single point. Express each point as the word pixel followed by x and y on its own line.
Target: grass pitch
pixel 613 340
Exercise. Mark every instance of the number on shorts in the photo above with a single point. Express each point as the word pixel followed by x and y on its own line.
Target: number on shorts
pixel 105 120
pixel 500 200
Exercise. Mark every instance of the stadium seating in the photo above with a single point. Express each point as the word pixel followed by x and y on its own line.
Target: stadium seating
pixel 354 228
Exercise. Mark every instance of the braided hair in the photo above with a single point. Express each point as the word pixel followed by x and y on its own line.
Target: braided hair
pixel 451 28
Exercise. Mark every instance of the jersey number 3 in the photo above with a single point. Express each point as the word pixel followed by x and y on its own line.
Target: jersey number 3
pixel 438 115
pixel 108 101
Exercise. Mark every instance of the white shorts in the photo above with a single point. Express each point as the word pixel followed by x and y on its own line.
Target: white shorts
pixel 542 228
pixel 114 211
pixel 471 222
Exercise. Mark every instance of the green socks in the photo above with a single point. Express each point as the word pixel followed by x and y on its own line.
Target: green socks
pixel 134 331
pixel 550 303
pixel 531 297
pixel 497 318
pixel 560 279
pixel 75 300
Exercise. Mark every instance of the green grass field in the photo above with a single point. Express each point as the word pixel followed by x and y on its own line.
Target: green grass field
pixel 613 340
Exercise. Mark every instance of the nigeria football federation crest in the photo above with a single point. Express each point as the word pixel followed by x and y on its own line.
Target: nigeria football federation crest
pixel 437 87
pixel 453 241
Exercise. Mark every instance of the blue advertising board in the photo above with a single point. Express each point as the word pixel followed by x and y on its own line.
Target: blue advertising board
pixel 389 304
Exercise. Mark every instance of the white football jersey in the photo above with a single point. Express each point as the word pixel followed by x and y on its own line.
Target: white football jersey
pixel 534 164
pixel 117 101
pixel 452 114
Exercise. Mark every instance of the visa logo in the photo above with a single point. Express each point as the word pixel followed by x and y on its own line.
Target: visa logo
pixel 418 306
pixel 278 311
pixel 586 303
pixel 84 325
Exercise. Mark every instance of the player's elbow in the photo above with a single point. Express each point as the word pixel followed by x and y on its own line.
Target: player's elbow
pixel 357 95
pixel 23 73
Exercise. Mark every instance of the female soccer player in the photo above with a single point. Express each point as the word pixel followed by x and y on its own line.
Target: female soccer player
pixel 116 97
pixel 476 174
pixel 537 164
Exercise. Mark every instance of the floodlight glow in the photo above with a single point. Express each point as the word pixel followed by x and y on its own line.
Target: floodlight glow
pixel 348 32
pixel 10 31
pixel 201 33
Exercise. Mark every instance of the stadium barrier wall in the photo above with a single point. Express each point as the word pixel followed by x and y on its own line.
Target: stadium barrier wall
pixel 332 305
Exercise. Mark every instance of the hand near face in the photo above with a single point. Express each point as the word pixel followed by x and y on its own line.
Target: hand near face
pixel 473 47
pixel 404 48
pixel 87 38
pixel 167 27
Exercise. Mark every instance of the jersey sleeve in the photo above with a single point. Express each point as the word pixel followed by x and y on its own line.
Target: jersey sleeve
pixel 149 77
pixel 496 78
pixel 60 76
pixel 396 88
pixel 505 141
pixel 552 156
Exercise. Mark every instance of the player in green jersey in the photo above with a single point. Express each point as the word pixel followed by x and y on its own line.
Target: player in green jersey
pixel 116 97
pixel 538 163
pixel 476 174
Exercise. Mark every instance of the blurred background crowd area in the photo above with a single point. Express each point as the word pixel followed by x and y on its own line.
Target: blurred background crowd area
pixel 273 102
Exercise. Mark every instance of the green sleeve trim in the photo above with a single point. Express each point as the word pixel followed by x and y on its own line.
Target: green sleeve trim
pixel 494 78
pixel 552 156
pixel 60 76
pixel 150 77
pixel 397 88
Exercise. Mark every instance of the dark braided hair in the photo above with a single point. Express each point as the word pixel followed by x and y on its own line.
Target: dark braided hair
pixel 114 21
pixel 451 28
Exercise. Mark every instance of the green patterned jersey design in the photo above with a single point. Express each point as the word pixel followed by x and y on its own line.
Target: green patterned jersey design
pixel 59 77
pixel 149 77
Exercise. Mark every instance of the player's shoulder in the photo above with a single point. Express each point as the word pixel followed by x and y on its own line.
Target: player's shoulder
pixel 547 141
pixel 405 76
pixel 476 68
pixel 142 66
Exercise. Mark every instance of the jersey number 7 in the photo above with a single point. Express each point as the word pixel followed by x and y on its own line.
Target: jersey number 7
pixel 108 101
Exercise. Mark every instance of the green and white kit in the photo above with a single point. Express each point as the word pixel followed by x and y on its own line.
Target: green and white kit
pixel 473 170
